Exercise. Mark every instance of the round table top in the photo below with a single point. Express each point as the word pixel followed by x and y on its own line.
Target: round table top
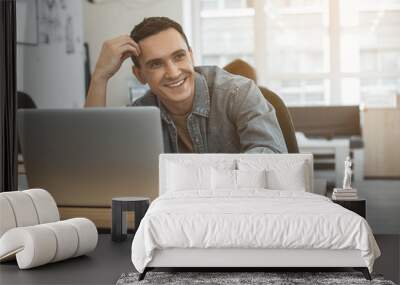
pixel 130 199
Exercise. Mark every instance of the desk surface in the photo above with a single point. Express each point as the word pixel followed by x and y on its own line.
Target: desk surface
pixel 102 266
pixel 305 142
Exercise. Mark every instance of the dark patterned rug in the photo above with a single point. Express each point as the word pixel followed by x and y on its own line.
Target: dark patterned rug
pixel 269 278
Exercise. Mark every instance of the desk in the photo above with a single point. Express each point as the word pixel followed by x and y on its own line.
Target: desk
pixel 340 148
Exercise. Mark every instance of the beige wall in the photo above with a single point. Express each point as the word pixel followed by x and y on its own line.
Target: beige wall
pixel 382 139
pixel 113 18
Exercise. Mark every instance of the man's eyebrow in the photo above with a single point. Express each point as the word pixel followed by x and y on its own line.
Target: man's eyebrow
pixel 178 51
pixel 156 60
pixel 151 61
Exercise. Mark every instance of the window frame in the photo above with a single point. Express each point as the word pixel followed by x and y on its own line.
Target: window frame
pixel 334 75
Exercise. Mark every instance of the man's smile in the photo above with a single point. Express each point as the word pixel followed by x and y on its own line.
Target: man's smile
pixel 175 83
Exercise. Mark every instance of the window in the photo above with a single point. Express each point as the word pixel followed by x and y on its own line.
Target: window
pixel 309 51
pixel 227 31
pixel 370 51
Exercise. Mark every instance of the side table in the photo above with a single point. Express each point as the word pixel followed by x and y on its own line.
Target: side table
pixel 121 205
pixel 358 206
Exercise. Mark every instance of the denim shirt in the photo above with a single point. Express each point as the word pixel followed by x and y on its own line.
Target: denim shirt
pixel 229 115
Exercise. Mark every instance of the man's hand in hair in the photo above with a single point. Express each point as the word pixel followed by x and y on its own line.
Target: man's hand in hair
pixel 113 53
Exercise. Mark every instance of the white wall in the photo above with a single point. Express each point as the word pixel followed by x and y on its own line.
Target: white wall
pixel 109 19
pixel 52 72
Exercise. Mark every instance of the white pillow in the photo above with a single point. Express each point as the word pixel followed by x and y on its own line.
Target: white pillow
pixel 223 179
pixel 251 178
pixel 188 177
pixel 227 179
pixel 293 180
pixel 282 174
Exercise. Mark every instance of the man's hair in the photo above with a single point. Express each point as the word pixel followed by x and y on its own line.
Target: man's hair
pixel 151 26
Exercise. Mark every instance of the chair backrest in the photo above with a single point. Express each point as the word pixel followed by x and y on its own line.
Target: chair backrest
pixel 284 119
pixel 26 208
pixel 242 68
pixel 25 101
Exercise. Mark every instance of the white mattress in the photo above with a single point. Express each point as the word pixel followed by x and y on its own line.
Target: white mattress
pixel 250 219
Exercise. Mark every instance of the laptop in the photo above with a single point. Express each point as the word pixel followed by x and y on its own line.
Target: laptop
pixel 85 157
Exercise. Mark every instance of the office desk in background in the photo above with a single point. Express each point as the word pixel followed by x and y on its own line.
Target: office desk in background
pixel 339 149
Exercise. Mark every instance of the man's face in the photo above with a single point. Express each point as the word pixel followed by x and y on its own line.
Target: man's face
pixel 166 64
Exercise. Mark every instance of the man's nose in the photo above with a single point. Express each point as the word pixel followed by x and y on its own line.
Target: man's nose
pixel 172 70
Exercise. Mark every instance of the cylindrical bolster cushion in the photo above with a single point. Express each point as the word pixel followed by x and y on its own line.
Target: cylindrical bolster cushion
pixel 41 244
pixel 87 234
pixel 45 205
pixel 67 240
pixel 7 218
pixel 34 245
pixel 23 208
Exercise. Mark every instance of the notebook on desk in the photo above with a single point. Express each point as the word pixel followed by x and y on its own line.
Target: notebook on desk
pixel 85 157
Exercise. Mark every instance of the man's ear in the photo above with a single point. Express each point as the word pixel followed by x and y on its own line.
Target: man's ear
pixel 138 74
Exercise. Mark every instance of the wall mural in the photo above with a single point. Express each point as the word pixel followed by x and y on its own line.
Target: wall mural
pixel 69 35
pixel 50 28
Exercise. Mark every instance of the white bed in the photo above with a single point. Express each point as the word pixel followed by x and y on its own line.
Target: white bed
pixel 202 220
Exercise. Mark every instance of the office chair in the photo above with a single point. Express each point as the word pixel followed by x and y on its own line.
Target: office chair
pixel 242 68
pixel 24 101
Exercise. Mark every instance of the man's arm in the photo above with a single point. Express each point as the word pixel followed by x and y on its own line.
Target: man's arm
pixel 96 96
pixel 256 122
pixel 113 53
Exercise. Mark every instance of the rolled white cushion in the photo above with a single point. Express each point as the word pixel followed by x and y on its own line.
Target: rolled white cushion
pixel 23 208
pixel 67 240
pixel 33 246
pixel 7 218
pixel 45 205
pixel 41 244
pixel 87 235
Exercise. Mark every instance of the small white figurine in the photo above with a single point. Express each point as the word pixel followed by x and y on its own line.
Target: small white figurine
pixel 347 174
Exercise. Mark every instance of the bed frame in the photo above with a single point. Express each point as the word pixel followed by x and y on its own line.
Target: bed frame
pixel 242 259
pixel 246 258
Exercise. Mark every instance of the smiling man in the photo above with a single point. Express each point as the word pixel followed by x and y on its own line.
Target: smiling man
pixel 203 109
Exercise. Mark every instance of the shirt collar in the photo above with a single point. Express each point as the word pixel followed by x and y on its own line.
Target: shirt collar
pixel 163 111
pixel 201 100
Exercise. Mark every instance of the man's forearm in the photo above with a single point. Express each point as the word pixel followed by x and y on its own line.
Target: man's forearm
pixel 96 96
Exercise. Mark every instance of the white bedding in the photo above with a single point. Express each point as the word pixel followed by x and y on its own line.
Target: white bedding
pixel 251 218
